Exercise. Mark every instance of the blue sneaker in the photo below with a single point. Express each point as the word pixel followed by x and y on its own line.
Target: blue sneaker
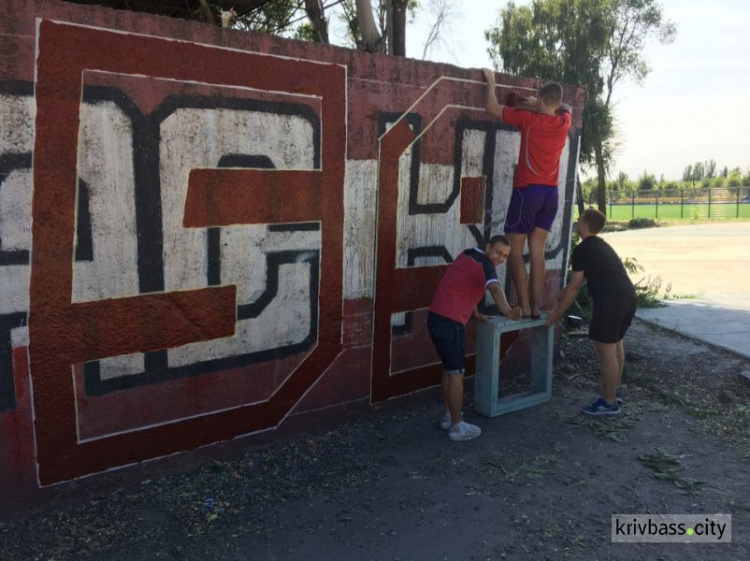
pixel 618 397
pixel 601 407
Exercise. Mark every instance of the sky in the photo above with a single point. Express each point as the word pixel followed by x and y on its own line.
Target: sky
pixel 693 106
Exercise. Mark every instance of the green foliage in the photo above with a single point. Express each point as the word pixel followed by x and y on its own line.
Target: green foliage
pixel 687 174
pixel 710 168
pixel 559 40
pixel 637 223
pixel 594 43
pixel 304 32
pixel 667 467
pixel 646 182
pixel 270 17
pixel 734 179
pixel 648 288
pixel 553 39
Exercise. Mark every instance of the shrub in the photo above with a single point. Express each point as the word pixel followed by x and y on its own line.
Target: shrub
pixel 642 223
pixel 647 289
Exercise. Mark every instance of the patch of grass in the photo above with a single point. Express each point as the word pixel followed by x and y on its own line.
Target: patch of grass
pixel 671 399
pixel 533 468
pixel 615 429
pixel 645 380
pixel 667 467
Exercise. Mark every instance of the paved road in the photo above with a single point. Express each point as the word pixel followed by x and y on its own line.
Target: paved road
pixel 708 266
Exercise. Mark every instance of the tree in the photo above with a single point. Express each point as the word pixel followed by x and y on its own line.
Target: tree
pixel 379 28
pixel 440 13
pixel 646 182
pixel 371 39
pixel 595 43
pixel 699 171
pixel 318 22
pixel 734 179
pixel 622 180
pixel 687 174
pixel 710 167
pixel 268 17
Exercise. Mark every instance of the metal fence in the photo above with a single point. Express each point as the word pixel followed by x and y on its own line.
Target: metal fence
pixel 700 202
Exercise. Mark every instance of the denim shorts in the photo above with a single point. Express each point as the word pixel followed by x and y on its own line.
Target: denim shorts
pixel 531 207
pixel 449 338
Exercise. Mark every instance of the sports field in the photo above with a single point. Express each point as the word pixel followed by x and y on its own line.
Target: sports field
pixel 676 211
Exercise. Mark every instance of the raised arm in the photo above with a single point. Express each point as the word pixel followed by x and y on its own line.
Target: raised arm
pixel 492 106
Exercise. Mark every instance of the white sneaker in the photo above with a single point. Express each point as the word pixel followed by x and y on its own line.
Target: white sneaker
pixel 464 431
pixel 445 421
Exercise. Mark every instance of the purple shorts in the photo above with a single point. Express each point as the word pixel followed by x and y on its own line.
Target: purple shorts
pixel 531 207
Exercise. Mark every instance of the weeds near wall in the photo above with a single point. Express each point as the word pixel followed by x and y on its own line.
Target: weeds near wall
pixel 648 289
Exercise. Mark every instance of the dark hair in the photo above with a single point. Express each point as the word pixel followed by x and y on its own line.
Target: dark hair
pixel 498 238
pixel 551 94
pixel 594 219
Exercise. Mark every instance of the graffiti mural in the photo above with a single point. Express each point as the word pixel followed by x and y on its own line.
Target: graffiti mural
pixel 200 239
pixel 434 200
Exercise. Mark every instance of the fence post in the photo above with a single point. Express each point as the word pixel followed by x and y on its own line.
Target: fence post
pixel 709 202
pixel 682 203
pixel 737 213
pixel 632 205
pixel 656 194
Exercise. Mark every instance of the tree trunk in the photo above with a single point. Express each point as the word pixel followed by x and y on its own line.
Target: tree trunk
pixel 207 11
pixel 371 39
pixel 398 25
pixel 601 174
pixel 388 27
pixel 314 10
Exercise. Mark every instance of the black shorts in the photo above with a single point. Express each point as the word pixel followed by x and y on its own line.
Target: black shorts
pixel 611 318
pixel 449 338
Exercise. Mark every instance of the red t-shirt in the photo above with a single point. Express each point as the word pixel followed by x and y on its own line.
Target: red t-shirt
pixel 463 285
pixel 542 141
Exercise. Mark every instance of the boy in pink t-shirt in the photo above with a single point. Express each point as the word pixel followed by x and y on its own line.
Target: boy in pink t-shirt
pixel 460 290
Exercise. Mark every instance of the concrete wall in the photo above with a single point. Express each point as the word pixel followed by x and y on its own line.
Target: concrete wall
pixel 203 232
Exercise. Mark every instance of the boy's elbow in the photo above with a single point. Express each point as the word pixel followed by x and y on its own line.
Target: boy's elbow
pixel 495 110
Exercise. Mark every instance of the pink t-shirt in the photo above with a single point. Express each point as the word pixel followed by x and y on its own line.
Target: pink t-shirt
pixel 463 285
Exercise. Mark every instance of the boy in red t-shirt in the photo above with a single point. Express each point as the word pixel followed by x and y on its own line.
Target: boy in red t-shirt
pixel 544 124
pixel 460 290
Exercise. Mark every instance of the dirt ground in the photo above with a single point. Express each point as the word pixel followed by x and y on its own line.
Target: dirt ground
pixel 539 484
